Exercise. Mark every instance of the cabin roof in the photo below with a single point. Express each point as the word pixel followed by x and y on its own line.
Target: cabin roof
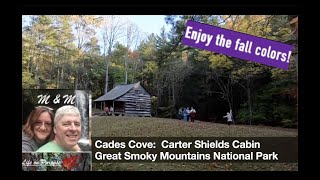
pixel 117 92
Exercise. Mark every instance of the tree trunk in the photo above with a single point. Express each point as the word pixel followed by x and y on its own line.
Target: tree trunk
pixel 36 70
pixel 107 77
pixel 76 80
pixel 173 94
pixel 61 78
pixel 58 75
pixel 249 100
pixel 107 71
pixel 126 67
pixel 158 93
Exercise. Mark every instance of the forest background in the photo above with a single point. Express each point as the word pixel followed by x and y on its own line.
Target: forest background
pixel 100 52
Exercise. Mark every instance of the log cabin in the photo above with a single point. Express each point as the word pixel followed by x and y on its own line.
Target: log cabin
pixel 128 100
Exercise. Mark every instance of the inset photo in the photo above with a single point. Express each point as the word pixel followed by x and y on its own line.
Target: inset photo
pixel 55 121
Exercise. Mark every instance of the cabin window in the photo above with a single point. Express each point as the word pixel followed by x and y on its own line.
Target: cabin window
pixel 137 91
pixel 138 105
pixel 142 105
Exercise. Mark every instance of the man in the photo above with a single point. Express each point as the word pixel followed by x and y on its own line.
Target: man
pixel 67 130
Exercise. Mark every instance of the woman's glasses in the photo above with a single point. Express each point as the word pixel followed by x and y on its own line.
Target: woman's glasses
pixel 39 124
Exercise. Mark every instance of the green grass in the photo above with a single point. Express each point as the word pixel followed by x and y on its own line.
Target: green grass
pixel 122 126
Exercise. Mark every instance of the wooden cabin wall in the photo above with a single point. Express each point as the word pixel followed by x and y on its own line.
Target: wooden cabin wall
pixel 137 102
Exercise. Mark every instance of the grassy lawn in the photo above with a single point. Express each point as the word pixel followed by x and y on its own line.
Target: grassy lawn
pixel 122 126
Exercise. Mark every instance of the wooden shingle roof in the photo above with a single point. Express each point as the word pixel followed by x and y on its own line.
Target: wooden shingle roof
pixel 116 92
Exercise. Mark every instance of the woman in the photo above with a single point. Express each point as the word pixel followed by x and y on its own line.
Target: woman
pixel 229 118
pixel 38 129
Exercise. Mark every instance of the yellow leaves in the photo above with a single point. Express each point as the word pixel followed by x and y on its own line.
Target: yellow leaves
pixel 116 65
pixel 27 80
pixel 51 86
pixel 71 78
pixel 256 25
pixel 220 61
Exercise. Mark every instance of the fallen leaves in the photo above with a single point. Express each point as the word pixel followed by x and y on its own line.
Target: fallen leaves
pixel 70 162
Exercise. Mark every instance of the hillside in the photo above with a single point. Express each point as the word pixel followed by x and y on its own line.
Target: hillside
pixel 115 126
